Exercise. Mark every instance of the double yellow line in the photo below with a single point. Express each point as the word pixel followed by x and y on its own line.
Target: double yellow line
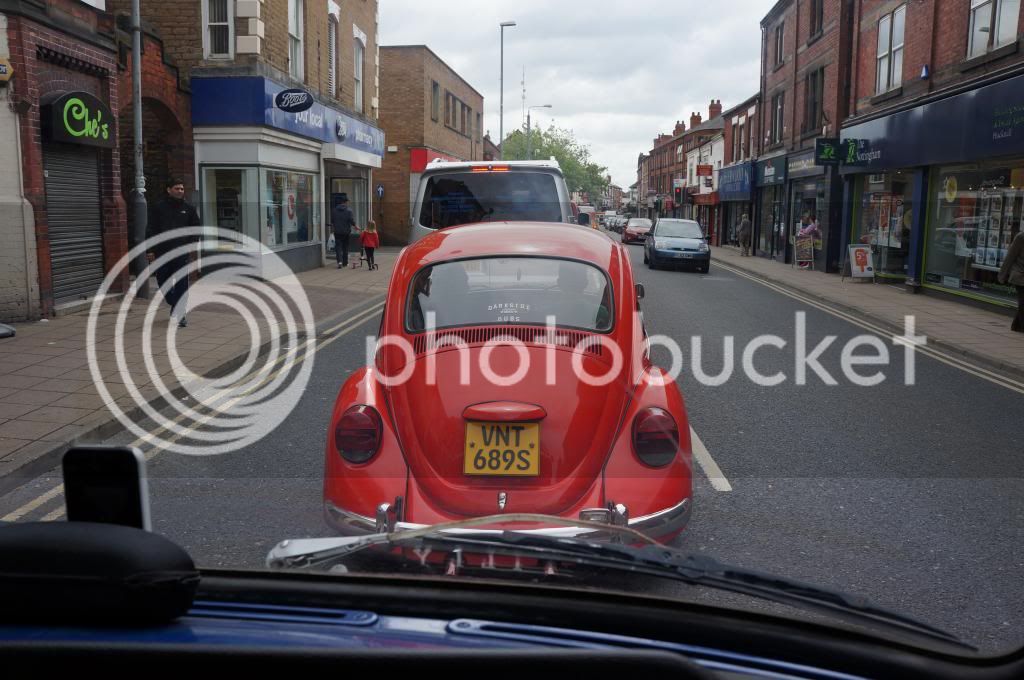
pixel 943 357
pixel 220 402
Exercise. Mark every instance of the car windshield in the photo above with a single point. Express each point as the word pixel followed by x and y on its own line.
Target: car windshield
pixel 678 229
pixel 825 384
pixel 510 291
pixel 454 198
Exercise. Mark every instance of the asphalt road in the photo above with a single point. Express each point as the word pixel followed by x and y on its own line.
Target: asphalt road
pixel 911 495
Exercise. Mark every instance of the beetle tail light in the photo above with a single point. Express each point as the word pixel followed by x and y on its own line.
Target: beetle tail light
pixel 357 435
pixel 655 437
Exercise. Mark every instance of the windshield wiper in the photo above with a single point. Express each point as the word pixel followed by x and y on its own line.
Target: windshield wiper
pixel 651 559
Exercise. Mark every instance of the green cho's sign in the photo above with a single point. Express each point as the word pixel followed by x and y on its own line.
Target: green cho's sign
pixel 80 118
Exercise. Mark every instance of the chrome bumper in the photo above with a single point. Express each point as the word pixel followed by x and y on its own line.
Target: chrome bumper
pixel 657 525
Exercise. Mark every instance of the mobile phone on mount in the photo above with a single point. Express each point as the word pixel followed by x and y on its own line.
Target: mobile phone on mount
pixel 106 484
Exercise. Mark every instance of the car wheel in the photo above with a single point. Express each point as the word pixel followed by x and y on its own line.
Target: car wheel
pixel 706 268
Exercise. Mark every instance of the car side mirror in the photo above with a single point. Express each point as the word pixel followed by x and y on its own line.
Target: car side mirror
pixel 640 291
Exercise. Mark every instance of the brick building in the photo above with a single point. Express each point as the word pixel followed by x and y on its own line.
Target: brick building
pixel 933 152
pixel 805 68
pixel 272 167
pixel 643 204
pixel 430 112
pixel 63 225
pixel 741 134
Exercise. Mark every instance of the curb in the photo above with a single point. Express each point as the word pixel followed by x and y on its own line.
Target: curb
pixel 1012 371
pixel 49 457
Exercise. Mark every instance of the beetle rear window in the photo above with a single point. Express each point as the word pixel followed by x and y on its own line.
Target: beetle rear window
pixel 518 290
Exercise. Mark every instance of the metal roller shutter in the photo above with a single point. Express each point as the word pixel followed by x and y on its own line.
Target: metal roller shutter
pixel 75 220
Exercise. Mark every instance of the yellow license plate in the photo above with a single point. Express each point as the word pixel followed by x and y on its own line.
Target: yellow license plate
pixel 502 449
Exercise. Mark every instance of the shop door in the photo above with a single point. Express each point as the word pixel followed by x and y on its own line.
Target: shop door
pixel 355 189
pixel 75 218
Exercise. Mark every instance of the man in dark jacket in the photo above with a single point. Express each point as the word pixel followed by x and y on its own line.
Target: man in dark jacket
pixel 173 212
pixel 342 221
pixel 744 236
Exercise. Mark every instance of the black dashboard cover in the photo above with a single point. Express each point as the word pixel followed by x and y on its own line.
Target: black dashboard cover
pixel 83 572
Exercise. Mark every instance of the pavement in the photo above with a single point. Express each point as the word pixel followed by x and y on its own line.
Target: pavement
pixel 48 399
pixel 975 334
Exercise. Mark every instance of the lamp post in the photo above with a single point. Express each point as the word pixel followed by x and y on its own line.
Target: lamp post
pixel 529 137
pixel 501 97
pixel 141 210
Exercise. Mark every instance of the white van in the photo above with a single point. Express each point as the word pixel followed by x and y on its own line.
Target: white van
pixel 452 193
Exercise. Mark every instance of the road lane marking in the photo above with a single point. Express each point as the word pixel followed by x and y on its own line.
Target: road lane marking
pixel 340 330
pixel 938 355
pixel 708 464
pixel 32 504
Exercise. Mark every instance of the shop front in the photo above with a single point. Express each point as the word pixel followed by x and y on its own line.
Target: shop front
pixel 770 233
pixel 942 214
pixel 734 194
pixel 706 212
pixel 809 204
pixel 274 175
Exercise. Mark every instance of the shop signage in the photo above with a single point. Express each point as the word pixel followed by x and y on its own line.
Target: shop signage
pixel 6 70
pixel 803 165
pixel 772 171
pixel 678 183
pixel 705 170
pixel 861 264
pixel 706 199
pixel 293 101
pixel 251 100
pixel 826 151
pixel 980 123
pixel 734 182
pixel 79 118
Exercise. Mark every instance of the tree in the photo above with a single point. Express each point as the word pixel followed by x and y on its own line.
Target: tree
pixel 581 173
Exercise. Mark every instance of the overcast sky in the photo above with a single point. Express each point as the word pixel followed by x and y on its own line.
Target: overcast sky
pixel 616 73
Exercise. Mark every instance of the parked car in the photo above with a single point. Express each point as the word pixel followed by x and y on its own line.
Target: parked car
pixel 636 230
pixel 677 243
pixel 457 193
pixel 568 447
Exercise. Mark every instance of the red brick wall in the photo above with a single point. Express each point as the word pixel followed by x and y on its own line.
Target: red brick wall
pixel 37 78
pixel 936 35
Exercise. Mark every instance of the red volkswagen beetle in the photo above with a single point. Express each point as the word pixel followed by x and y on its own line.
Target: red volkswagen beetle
pixel 511 376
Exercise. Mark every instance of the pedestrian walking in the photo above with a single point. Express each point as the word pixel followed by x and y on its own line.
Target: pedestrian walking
pixel 744 234
pixel 173 212
pixel 342 221
pixel 370 240
pixel 1012 273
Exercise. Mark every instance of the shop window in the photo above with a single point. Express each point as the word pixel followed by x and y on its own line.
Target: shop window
pixel 291 208
pixel 993 24
pixel 296 58
pixel 218 29
pixel 889 59
pixel 976 212
pixel 884 219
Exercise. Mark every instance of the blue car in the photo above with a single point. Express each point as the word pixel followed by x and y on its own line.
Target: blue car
pixel 677 243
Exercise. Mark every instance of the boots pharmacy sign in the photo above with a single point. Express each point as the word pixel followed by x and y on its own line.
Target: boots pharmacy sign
pixel 79 118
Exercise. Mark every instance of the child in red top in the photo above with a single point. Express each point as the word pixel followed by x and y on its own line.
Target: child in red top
pixel 370 241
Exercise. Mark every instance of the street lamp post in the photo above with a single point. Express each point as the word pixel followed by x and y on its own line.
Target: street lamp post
pixel 529 137
pixel 501 97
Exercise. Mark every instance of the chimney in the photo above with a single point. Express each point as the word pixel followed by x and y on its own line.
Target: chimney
pixel 694 120
pixel 680 128
pixel 715 109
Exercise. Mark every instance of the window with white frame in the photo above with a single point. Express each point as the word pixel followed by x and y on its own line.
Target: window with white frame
pixel 296 57
pixel 889 55
pixel 993 24
pixel 332 55
pixel 218 29
pixel 360 51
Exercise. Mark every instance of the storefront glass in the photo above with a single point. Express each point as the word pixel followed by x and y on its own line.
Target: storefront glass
pixel 884 219
pixel 229 199
pixel 809 206
pixel 977 210
pixel 291 207
pixel 770 238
